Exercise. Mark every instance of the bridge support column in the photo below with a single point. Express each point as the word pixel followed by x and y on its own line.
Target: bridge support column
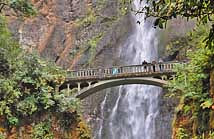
pixel 89 84
pixel 68 89
pixel 78 86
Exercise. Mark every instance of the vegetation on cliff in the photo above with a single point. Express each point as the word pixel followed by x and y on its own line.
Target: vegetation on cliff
pixel 95 26
pixel 20 7
pixel 195 113
pixel 192 82
pixel 31 105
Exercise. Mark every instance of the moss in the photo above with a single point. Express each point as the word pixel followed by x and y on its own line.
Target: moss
pixel 88 19
pixel 92 46
pixel 101 4
pixel 124 7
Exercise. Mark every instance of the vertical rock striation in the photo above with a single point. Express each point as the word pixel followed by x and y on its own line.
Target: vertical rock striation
pixel 74 32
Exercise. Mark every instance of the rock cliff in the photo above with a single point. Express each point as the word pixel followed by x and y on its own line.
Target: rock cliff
pixel 73 33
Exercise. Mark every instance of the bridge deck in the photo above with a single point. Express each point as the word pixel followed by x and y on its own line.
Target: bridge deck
pixel 89 81
pixel 146 70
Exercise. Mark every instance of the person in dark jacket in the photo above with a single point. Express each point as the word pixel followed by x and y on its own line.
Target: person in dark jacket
pixel 153 65
pixel 144 63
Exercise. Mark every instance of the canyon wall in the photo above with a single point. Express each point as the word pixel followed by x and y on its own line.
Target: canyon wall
pixel 75 33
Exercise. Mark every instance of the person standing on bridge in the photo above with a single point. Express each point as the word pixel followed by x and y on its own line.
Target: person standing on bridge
pixel 144 63
pixel 153 65
pixel 114 71
pixel 160 63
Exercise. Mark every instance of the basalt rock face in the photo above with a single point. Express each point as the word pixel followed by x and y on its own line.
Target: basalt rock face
pixel 73 33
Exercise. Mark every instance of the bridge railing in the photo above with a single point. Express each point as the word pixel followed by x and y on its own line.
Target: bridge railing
pixel 117 70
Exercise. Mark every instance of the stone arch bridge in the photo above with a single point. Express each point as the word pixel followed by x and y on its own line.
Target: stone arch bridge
pixel 89 81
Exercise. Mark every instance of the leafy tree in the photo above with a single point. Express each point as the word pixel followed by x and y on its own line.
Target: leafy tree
pixel 28 83
pixel 192 82
pixel 164 10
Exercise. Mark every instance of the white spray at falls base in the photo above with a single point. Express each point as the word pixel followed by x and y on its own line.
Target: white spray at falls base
pixel 134 113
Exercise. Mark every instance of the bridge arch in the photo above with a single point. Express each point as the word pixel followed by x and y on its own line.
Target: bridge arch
pixel 85 92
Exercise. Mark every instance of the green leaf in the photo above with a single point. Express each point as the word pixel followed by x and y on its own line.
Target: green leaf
pixel 207 104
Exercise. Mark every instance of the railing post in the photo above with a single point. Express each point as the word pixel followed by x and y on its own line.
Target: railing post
pixel 165 67
pixel 157 67
pixel 108 71
pixel 148 67
pixel 90 73
pixel 93 72
pixel 79 87
pixel 127 69
pixel 121 69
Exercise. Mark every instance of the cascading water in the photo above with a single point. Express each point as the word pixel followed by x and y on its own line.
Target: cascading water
pixel 136 108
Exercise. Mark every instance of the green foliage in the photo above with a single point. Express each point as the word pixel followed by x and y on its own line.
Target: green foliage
pixel 13 121
pixel 210 135
pixel 2 136
pixel 186 109
pixel 93 44
pixel 188 42
pixel 29 87
pixel 181 134
pixel 27 106
pixel 20 7
pixel 9 48
pixel 207 103
pixel 88 19
pixel 124 6
pixel 66 103
pixel 83 131
pixel 192 80
pixel 42 130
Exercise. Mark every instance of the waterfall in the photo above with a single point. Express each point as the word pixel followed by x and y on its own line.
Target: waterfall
pixel 135 111
pixel 99 135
